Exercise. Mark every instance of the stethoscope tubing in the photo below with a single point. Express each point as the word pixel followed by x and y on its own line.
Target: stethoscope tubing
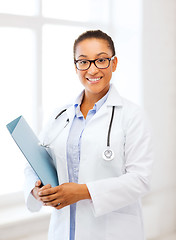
pixel 58 115
pixel 110 126
pixel 108 154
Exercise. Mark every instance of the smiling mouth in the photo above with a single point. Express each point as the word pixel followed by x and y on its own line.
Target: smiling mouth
pixel 93 79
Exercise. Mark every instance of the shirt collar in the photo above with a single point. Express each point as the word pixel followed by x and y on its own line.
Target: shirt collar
pixel 77 105
pixel 98 104
pixel 96 107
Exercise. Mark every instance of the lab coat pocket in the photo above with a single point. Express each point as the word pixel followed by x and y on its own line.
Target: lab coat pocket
pixel 124 226
pixel 59 225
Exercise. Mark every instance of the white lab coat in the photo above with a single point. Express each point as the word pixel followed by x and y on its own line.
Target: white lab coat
pixel 116 186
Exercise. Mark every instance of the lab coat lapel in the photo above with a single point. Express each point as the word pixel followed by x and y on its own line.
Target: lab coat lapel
pixel 61 151
pixel 113 99
pixel 70 114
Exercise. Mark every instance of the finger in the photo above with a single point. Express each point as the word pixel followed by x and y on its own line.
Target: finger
pixel 60 206
pixel 38 183
pixel 52 203
pixel 47 191
pixel 48 198
pixel 51 199
pixel 45 187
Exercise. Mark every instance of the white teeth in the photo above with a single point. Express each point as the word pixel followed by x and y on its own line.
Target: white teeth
pixel 94 80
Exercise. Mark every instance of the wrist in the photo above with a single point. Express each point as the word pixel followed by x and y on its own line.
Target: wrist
pixel 85 192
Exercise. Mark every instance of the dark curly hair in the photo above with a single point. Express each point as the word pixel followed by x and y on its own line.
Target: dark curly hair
pixel 94 34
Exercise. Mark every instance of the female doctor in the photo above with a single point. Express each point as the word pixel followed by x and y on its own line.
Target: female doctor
pixel 101 147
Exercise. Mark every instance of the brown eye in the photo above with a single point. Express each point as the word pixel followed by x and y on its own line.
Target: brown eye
pixel 101 60
pixel 82 62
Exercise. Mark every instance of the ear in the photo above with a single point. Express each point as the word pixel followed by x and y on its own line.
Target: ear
pixel 114 64
pixel 76 69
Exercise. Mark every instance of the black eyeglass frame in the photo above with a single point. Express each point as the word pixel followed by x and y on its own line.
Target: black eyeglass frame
pixel 93 61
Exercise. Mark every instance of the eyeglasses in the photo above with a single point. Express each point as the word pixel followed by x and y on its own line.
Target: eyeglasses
pixel 100 63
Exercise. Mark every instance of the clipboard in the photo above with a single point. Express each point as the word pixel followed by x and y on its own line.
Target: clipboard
pixel 36 155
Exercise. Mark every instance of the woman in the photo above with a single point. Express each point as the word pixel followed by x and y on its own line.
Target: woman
pixel 102 153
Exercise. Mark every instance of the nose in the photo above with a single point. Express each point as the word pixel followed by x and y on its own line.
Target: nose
pixel 92 69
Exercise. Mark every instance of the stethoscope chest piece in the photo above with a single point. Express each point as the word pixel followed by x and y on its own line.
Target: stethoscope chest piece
pixel 108 154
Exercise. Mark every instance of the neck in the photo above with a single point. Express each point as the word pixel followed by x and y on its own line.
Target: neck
pixel 89 101
pixel 92 98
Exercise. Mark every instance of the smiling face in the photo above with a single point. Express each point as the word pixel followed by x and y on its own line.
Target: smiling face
pixel 96 81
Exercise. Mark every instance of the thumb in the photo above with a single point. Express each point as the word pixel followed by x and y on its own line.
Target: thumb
pixel 38 183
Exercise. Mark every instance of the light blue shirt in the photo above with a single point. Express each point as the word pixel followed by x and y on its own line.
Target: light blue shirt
pixel 74 147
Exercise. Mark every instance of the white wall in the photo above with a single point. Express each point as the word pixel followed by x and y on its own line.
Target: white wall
pixel 157 78
pixel 159 91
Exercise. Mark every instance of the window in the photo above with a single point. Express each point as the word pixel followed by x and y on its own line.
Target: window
pixel 36 52
pixel 33 63
pixel 92 12
pixel 17 61
pixel 19 7
pixel 127 30
pixel 56 61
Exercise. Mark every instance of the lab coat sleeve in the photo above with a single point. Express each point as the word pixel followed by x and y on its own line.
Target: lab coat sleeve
pixel 32 204
pixel 30 179
pixel 114 193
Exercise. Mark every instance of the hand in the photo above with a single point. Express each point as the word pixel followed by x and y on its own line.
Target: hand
pixel 38 186
pixel 63 195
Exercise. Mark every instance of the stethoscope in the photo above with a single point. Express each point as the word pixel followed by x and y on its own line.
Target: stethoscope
pixel 108 153
pixel 67 122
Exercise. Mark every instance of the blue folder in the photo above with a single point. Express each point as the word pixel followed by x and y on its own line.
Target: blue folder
pixel 36 155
